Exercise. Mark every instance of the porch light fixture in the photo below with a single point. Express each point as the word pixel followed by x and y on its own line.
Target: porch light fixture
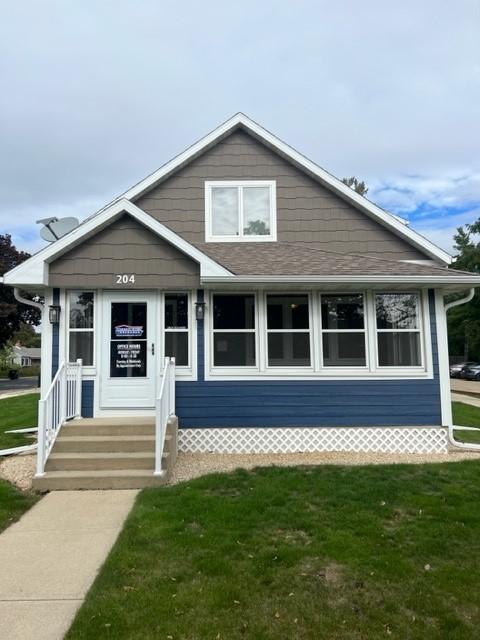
pixel 54 313
pixel 200 310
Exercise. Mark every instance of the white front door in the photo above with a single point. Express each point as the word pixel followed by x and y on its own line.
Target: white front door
pixel 128 363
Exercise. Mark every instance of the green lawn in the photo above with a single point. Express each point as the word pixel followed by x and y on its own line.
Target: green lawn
pixel 467 416
pixel 17 413
pixel 13 503
pixel 297 553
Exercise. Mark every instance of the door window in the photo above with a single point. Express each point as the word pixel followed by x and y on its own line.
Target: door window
pixel 128 340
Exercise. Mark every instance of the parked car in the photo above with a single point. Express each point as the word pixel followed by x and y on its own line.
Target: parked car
pixel 456 370
pixel 472 372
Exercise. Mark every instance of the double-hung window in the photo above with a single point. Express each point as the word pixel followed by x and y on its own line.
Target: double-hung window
pixel 81 326
pixel 288 331
pixel 398 329
pixel 343 330
pixel 240 211
pixel 234 330
pixel 176 337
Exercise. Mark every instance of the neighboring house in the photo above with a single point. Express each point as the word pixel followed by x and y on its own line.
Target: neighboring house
pixel 26 356
pixel 301 315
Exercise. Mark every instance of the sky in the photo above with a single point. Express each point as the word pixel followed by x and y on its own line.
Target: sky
pixel 95 95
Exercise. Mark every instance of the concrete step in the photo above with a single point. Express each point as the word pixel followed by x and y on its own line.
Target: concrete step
pixel 109 427
pixel 103 479
pixel 91 461
pixel 109 444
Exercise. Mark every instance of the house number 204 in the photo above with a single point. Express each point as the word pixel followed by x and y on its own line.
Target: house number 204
pixel 125 278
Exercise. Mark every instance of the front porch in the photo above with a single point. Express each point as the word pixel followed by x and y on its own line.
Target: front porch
pixel 108 453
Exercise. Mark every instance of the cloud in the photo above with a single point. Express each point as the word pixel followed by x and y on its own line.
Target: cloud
pixel 96 95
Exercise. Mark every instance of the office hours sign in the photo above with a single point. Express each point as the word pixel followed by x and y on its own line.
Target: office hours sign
pixel 128 340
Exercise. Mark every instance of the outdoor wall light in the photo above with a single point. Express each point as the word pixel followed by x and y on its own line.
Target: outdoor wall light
pixel 54 313
pixel 200 310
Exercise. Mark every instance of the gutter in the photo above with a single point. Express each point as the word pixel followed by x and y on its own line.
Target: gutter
pixel 385 279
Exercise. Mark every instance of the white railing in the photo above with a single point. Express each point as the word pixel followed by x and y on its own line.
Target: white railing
pixel 62 402
pixel 164 408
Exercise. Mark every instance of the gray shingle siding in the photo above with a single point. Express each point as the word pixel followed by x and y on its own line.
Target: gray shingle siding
pixel 306 210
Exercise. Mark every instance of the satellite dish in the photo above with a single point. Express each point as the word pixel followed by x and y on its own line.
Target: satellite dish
pixel 55 228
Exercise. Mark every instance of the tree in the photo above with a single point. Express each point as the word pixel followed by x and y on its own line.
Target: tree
pixel 12 313
pixel 356 185
pixel 464 321
pixel 27 336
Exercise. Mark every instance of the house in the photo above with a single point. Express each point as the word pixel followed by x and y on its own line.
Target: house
pixel 300 315
pixel 26 356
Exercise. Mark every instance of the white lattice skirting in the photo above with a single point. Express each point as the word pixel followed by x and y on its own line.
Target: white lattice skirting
pixel 303 439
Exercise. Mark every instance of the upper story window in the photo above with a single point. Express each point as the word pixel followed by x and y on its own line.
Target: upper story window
pixel 240 211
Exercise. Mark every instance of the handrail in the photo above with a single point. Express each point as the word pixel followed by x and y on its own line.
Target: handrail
pixel 62 401
pixel 164 408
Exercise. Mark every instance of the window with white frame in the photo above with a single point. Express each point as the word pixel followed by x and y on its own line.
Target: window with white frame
pixel 343 330
pixel 81 326
pixel 398 329
pixel 176 334
pixel 240 211
pixel 288 330
pixel 234 330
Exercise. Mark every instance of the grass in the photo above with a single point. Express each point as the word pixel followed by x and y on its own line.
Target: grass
pixel 13 503
pixel 17 413
pixel 302 553
pixel 467 416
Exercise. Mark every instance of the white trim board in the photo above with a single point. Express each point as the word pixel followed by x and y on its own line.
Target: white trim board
pixel 34 271
pixel 386 219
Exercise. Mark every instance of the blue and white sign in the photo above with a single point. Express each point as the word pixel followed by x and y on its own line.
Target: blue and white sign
pixel 128 331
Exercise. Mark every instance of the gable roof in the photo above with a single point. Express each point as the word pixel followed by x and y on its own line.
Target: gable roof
pixel 394 223
pixel 34 271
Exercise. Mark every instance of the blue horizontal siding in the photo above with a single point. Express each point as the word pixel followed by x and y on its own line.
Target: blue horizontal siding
pixel 298 403
pixel 87 398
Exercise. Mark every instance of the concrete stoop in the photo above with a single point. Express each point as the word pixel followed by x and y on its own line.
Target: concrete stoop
pixel 107 453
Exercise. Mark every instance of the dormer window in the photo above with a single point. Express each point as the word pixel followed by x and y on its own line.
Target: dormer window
pixel 240 211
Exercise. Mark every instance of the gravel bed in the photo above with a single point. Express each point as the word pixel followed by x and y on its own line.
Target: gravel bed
pixel 193 465
pixel 19 470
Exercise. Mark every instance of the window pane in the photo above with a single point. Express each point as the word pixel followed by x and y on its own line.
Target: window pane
pixel 224 211
pixel 397 310
pixel 234 349
pixel 176 346
pixel 344 349
pixel 288 349
pixel 81 310
pixel 176 310
pixel 256 211
pixel 129 320
pixel 128 359
pixel 81 346
pixel 233 312
pixel 342 312
pixel 287 312
pixel 399 349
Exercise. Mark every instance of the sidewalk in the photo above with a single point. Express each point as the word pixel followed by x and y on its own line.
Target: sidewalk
pixel 50 558
pixel 459 397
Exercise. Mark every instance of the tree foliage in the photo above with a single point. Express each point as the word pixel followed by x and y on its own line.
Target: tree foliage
pixel 12 313
pixel 464 321
pixel 357 185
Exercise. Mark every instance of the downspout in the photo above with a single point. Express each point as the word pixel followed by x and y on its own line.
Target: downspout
pixel 31 303
pixel 451 427
pixel 464 300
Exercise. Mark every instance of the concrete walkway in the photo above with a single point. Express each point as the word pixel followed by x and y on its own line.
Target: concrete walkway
pixel 460 397
pixel 49 559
